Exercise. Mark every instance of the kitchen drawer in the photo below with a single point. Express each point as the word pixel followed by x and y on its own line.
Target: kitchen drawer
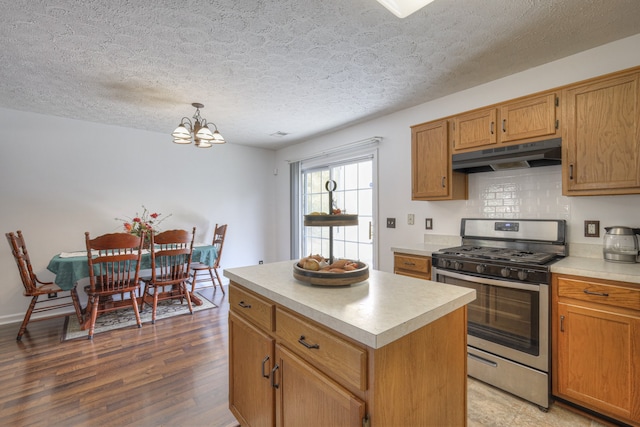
pixel 412 265
pixel 339 359
pixel 602 293
pixel 252 307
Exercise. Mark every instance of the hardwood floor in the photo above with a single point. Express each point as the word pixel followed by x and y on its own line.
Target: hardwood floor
pixel 172 373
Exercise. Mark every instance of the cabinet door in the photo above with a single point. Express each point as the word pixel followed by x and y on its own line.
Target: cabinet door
pixel 599 360
pixel 474 129
pixel 251 358
pixel 602 137
pixel 431 163
pixel 529 118
pixel 306 397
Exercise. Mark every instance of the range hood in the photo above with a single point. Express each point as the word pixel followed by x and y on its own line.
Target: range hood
pixel 534 154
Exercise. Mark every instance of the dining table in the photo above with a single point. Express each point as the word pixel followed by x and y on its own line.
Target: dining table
pixel 70 267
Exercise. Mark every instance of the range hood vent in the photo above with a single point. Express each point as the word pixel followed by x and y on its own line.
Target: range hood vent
pixel 530 155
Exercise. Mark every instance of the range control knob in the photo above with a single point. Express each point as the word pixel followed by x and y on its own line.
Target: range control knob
pixel 457 265
pixel 505 272
pixel 481 268
pixel 444 263
pixel 522 274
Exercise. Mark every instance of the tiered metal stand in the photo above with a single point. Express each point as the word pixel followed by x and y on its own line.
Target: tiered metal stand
pixel 324 278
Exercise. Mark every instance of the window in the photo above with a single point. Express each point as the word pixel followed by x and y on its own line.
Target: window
pixel 354 194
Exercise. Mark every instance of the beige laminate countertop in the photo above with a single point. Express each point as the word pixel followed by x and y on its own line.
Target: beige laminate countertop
pixel 596 268
pixel 375 312
pixel 424 249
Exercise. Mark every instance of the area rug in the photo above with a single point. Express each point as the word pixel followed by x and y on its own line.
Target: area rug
pixel 126 318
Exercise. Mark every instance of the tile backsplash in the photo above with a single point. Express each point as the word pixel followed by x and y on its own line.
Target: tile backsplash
pixel 534 193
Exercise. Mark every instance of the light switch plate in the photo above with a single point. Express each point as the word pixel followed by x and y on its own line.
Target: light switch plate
pixel 592 229
pixel 428 223
pixel 410 219
pixel 391 223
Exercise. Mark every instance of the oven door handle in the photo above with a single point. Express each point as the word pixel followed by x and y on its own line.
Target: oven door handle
pixel 486 281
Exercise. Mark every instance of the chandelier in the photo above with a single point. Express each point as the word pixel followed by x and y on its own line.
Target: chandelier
pixel 197 131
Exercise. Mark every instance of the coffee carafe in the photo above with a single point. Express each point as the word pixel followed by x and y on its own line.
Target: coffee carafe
pixel 621 244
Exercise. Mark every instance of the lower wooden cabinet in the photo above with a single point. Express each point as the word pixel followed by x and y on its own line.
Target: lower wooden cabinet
pixel 412 265
pixel 251 356
pixel 304 396
pixel 287 370
pixel 596 337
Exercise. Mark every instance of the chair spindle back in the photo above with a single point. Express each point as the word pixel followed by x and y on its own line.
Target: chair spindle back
pixel 21 256
pixel 117 264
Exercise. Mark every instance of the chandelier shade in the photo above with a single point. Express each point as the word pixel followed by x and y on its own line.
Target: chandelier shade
pixel 197 131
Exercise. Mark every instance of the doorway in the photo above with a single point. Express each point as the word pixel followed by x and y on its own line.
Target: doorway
pixel 355 193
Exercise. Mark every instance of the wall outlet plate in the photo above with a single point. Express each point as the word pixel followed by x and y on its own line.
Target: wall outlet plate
pixel 428 223
pixel 592 229
pixel 391 223
pixel 410 219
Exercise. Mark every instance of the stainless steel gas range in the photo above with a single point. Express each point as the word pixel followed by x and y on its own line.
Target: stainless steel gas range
pixel 508 263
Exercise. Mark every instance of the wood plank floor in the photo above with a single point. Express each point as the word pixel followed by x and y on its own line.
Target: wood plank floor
pixel 173 373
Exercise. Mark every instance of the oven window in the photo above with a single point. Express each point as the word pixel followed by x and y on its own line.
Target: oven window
pixel 505 316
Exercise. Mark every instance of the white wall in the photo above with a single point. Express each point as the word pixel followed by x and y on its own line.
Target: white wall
pixel 62 177
pixel 395 154
pixel 55 187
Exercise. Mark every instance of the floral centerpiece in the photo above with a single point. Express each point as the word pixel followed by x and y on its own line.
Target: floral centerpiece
pixel 146 222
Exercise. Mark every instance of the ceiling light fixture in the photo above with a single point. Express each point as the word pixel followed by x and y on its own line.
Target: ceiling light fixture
pixel 404 8
pixel 198 131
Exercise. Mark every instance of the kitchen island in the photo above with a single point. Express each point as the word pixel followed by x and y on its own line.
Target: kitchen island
pixel 388 351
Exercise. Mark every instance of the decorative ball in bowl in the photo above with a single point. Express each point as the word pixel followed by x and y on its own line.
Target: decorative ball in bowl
pixel 315 270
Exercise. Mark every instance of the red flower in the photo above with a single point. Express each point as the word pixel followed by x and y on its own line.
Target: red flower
pixel 136 219
pixel 154 215
pixel 127 226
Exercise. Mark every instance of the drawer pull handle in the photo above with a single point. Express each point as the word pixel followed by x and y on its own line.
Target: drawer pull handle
pixel 598 294
pixel 306 344
pixel 243 305
pixel 263 362
pixel 561 323
pixel 409 263
pixel 273 376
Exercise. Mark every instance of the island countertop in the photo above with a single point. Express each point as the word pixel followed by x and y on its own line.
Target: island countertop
pixel 375 312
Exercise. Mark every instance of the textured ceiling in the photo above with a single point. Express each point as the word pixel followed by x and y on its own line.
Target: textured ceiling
pixel 303 67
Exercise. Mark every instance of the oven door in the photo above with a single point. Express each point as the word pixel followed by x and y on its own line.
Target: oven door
pixel 509 319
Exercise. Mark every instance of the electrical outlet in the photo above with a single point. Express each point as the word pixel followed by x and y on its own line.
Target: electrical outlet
pixel 391 223
pixel 410 219
pixel 592 229
pixel 428 223
pixel 260 262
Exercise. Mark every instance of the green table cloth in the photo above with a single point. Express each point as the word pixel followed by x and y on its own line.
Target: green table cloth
pixel 69 270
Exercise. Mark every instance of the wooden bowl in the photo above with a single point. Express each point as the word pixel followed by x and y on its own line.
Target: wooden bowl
pixel 326 278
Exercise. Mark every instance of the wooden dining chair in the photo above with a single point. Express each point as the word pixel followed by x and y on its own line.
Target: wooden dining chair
pixel 219 234
pixel 115 271
pixel 171 253
pixel 54 296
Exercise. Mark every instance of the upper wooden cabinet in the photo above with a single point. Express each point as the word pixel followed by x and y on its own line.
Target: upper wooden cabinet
pixel 474 129
pixel 601 140
pixel 431 174
pixel 525 120
pixel 533 117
